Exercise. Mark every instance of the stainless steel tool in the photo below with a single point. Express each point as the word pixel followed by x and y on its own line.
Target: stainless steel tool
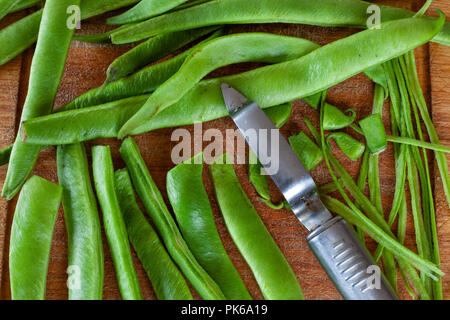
pixel 334 243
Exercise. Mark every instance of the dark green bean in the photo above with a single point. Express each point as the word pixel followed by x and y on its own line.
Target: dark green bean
pixel 82 223
pixel 156 208
pixel 31 238
pixel 351 147
pixel 194 215
pixel 4 155
pixel 167 281
pixel 116 232
pixel 275 277
pixel 342 13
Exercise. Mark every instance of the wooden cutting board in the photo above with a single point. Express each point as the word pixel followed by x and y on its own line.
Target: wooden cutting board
pixel 85 69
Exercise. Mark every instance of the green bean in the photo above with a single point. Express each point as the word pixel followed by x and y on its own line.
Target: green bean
pixel 306 150
pixel 46 71
pixel 145 9
pixel 150 51
pixel 374 132
pixel 113 222
pixel 4 155
pixel 31 238
pixel 275 277
pixel 418 143
pixel 167 281
pixel 6 6
pixel 334 119
pixel 351 147
pixel 342 13
pixel 156 208
pixel 24 4
pixel 18 36
pixel 97 38
pixel 255 47
pixel 141 82
pixel 194 215
pixel 82 223
pixel 317 70
pixel 90 8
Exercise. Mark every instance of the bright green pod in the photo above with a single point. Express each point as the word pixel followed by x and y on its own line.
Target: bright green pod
pixel 335 119
pixel 306 150
pixel 82 224
pixel 113 223
pixel 374 132
pixel 167 281
pixel 150 51
pixel 154 204
pixel 31 238
pixel 275 277
pixel 351 147
pixel 194 215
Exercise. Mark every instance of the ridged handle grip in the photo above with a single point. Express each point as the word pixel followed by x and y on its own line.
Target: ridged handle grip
pixel 348 264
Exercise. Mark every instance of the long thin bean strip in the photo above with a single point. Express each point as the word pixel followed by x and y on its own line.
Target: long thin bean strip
pixel 82 223
pixel 150 51
pixel 270 268
pixel 167 281
pixel 342 13
pixel 145 9
pixel 156 208
pixel 31 238
pixel 114 224
pixel 320 69
pixel 4 155
pixel 254 47
pixel 47 68
pixel 194 215
pixel 418 143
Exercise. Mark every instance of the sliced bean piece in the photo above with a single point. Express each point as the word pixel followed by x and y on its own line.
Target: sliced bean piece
pixel 374 132
pixel 116 232
pixel 4 155
pixel 47 68
pixel 255 47
pixel 306 150
pixel 167 281
pixel 152 50
pixel 334 118
pixel 31 238
pixel 156 208
pixel 194 215
pixel 342 13
pixel 275 277
pixel 82 223
pixel 351 147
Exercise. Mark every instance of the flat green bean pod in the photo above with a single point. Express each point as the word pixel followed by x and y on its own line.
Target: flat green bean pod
pixel 194 215
pixel 24 4
pixel 46 71
pixel 113 223
pixel 6 6
pixel 156 208
pixel 226 50
pixel 31 238
pixel 306 150
pixel 335 119
pixel 351 147
pixel 275 277
pixel 374 132
pixel 342 13
pixel 152 50
pixel 318 70
pixel 145 9
pixel 82 223
pixel 167 281
pixel 4 155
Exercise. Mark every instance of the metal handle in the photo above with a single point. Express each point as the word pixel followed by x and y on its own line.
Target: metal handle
pixel 348 263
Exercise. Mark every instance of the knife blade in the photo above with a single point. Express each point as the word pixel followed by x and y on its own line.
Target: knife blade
pixel 332 240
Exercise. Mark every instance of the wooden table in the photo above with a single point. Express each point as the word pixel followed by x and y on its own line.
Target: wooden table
pixel 85 69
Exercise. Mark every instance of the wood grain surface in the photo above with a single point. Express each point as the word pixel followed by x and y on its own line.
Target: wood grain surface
pixel 85 69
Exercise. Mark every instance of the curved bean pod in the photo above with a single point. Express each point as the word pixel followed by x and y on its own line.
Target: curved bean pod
pixel 342 13
pixel 167 281
pixel 47 68
pixel 114 224
pixel 145 9
pixel 156 208
pixel 194 215
pixel 31 238
pixel 150 51
pixel 318 70
pixel 235 48
pixel 275 277
pixel 334 118
pixel 82 222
